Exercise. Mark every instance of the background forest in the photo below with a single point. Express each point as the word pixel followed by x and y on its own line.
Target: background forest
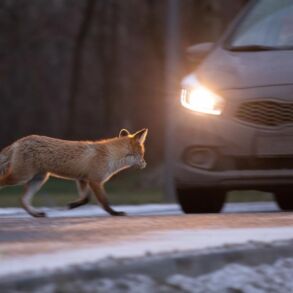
pixel 77 69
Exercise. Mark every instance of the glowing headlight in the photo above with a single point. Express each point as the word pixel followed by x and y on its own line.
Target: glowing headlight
pixel 200 99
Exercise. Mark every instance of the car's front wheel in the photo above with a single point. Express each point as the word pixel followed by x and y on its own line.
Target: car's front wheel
pixel 201 200
pixel 284 198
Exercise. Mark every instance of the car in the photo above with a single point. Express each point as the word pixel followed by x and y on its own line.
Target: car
pixel 233 126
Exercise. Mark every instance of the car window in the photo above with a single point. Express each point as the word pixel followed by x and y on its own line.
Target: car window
pixel 268 25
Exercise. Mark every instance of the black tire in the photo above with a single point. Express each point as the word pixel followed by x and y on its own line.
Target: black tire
pixel 284 198
pixel 201 200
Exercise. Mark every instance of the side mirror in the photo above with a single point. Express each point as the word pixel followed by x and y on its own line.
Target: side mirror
pixel 198 52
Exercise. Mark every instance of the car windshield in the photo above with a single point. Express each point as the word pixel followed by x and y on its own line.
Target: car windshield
pixel 267 26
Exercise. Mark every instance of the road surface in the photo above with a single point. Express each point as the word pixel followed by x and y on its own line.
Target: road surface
pixel 88 234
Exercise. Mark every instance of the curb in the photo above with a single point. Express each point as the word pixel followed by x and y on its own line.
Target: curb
pixel 160 266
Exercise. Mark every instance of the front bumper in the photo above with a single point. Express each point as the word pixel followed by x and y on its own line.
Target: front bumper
pixel 222 151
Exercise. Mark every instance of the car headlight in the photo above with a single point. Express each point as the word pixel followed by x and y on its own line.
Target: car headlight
pixel 198 98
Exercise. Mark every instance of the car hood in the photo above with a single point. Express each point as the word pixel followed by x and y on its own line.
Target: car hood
pixel 224 69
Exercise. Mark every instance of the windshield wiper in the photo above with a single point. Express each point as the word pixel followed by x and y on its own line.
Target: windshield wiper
pixel 255 48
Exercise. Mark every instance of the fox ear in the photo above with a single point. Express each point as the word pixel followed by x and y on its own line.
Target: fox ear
pixel 124 132
pixel 141 135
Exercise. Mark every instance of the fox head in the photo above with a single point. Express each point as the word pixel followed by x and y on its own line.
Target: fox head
pixel 135 150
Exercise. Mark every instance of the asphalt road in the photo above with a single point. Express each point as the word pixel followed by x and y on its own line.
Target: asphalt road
pixel 88 234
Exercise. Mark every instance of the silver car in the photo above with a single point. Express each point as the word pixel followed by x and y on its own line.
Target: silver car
pixel 234 125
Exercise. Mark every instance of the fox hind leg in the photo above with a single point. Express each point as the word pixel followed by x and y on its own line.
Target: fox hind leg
pixel 32 187
pixel 84 194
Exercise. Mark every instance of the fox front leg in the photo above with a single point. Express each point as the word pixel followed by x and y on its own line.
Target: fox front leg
pixel 100 193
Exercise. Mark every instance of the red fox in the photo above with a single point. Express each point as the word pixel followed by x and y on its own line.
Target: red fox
pixel 32 159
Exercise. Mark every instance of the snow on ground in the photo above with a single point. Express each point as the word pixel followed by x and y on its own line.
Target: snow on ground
pixel 95 210
pixel 154 242
pixel 232 278
pixel 135 210
pixel 239 278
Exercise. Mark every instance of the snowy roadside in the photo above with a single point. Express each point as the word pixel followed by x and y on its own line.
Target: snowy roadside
pixel 231 278
pixel 249 268
pixel 166 234
pixel 176 250
pixel 151 243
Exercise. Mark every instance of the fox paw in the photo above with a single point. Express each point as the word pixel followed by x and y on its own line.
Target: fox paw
pixel 39 214
pixel 73 205
pixel 114 213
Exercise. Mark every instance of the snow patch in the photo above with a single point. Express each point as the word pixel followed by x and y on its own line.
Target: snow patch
pixel 231 278
pixel 135 210
pixel 240 278
pixel 160 242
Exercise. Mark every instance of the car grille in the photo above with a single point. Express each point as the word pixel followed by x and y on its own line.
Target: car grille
pixel 266 113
